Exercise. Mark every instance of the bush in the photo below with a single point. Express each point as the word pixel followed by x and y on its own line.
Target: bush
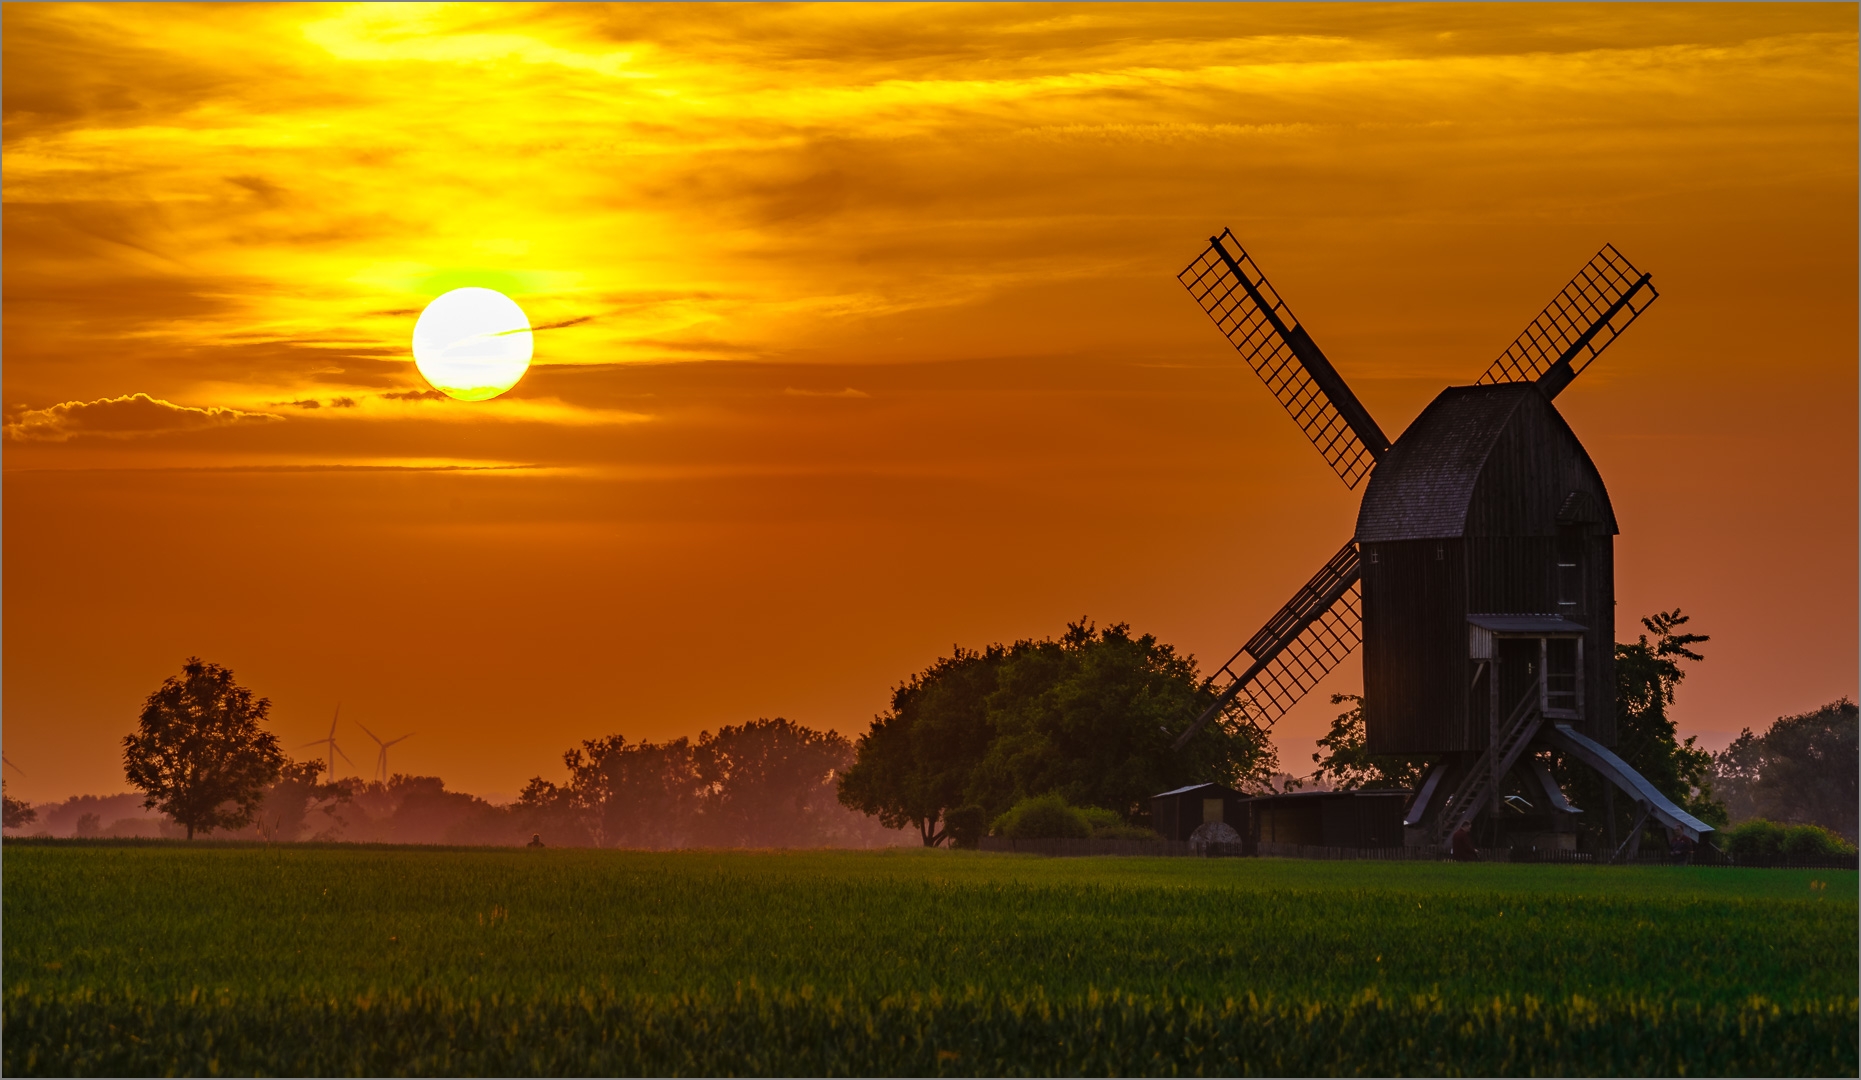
pixel 1108 825
pixel 1043 817
pixel 1814 840
pixel 1759 838
pixel 965 825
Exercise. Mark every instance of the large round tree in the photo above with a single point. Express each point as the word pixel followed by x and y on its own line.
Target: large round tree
pixel 198 751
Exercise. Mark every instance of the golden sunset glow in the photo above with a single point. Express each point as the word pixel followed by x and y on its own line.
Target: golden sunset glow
pixel 856 336
pixel 472 344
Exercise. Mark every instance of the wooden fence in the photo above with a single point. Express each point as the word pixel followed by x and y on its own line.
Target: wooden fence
pixel 1420 853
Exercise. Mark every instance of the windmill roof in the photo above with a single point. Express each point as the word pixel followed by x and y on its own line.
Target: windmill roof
pixel 1422 487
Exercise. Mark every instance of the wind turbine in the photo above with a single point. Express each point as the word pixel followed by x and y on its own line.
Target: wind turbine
pixel 9 762
pixel 381 761
pixel 330 742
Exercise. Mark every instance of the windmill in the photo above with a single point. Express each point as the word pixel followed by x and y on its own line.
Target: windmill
pixel 1480 579
pixel 10 765
pixel 330 742
pixel 381 760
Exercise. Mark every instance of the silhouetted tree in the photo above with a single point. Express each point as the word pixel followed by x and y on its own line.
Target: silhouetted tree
pixel 1646 674
pixel 917 762
pixel 1090 717
pixel 769 783
pixel 642 794
pixel 18 813
pixel 1344 760
pixel 1801 771
pixel 198 752
pixel 286 808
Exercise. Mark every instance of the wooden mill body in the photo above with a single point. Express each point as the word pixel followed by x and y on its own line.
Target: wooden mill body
pixel 1488 549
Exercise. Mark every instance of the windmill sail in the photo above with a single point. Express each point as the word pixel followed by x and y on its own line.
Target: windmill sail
pixel 1580 322
pixel 1311 634
pixel 1251 315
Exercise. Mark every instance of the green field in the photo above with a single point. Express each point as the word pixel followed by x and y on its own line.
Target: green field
pixel 295 960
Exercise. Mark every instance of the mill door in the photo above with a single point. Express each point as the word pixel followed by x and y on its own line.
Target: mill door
pixel 1519 658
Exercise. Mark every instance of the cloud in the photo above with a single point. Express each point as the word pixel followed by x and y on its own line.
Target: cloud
pixel 849 392
pixel 415 395
pixel 560 323
pixel 126 417
pixel 313 403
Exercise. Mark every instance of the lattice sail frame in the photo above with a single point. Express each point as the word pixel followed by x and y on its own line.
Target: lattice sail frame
pixel 1580 322
pixel 1251 315
pixel 1311 634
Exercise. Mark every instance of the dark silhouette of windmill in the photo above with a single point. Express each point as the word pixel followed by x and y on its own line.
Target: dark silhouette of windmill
pixel 1481 578
pixel 381 760
pixel 333 751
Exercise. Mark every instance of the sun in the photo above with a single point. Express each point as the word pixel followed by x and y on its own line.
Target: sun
pixel 472 344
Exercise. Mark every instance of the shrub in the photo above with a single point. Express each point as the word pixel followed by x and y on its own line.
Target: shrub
pixel 1109 825
pixel 965 825
pixel 1759 838
pixel 1814 840
pixel 1043 817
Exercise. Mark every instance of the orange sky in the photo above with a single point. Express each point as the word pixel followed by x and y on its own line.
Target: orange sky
pixel 859 338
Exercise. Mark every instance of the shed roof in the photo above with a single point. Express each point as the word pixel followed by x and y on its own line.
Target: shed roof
pixel 1421 488
pixel 1353 793
pixel 1187 790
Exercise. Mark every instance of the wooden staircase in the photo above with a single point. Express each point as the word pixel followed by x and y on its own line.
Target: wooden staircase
pixel 1476 787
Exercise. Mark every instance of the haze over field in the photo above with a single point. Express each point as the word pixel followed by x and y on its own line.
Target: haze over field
pixel 856 337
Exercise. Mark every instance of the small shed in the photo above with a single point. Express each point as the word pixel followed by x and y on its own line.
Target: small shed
pixel 1366 818
pixel 1176 814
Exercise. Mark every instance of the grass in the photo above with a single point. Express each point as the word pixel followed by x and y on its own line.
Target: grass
pixel 211 958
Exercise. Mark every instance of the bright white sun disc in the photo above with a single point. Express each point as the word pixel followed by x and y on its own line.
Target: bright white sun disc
pixel 472 344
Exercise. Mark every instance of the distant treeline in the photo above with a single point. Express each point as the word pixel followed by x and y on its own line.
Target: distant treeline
pixel 1802 771
pixel 770 783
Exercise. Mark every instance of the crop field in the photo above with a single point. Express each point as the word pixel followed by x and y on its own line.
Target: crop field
pixel 171 958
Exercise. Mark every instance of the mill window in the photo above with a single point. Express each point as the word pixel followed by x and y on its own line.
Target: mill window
pixel 1569 588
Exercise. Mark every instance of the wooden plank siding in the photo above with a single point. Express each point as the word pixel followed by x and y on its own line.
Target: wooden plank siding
pixel 1488 504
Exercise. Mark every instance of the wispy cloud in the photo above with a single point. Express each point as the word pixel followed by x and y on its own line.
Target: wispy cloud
pixel 849 392
pixel 129 416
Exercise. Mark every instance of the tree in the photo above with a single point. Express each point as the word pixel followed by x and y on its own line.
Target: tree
pixel 285 810
pixel 916 763
pixel 1090 718
pixel 1801 771
pixel 18 812
pixel 642 795
pixel 198 752
pixel 1093 718
pixel 1348 765
pixel 769 783
pixel 1646 675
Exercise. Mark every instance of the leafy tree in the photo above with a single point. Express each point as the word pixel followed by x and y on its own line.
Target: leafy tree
pixel 286 808
pixel 198 752
pixel 1344 760
pixel 1092 718
pixel 1802 770
pixel 1646 674
pixel 769 783
pixel 18 813
pixel 915 765
pixel 642 795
